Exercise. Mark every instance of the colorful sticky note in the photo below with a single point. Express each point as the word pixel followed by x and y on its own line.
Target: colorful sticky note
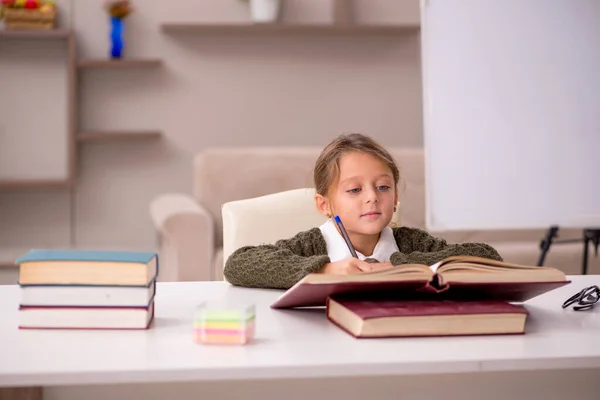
pixel 219 323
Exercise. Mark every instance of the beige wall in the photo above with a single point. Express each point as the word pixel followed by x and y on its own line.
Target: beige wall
pixel 213 90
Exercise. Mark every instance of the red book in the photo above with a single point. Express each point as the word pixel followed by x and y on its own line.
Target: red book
pixel 454 278
pixel 399 318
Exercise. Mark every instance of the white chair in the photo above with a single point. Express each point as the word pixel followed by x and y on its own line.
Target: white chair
pixel 266 219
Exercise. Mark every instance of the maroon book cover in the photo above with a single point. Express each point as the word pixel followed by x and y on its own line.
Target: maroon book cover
pixel 368 309
pixel 507 291
pixel 315 294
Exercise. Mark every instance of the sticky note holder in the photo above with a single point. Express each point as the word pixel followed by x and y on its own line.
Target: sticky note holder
pixel 218 323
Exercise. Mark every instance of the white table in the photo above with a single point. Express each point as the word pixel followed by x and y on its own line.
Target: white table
pixel 294 346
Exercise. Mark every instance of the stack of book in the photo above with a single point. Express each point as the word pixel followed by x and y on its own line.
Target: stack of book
pixel 461 295
pixel 84 289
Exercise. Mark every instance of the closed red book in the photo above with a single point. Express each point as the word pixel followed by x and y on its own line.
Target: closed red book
pixel 400 318
pixel 455 278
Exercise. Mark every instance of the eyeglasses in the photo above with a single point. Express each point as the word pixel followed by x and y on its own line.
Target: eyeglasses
pixel 585 299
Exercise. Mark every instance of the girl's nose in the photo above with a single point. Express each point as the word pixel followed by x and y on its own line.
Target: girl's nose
pixel 371 196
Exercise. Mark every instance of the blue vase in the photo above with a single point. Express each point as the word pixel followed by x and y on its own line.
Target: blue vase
pixel 116 37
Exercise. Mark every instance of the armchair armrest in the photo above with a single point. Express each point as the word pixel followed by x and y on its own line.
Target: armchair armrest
pixel 186 238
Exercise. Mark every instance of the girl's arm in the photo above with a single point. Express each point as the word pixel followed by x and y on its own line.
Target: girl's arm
pixel 419 247
pixel 280 265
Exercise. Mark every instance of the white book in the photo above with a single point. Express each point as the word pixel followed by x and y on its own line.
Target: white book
pixel 85 317
pixel 87 295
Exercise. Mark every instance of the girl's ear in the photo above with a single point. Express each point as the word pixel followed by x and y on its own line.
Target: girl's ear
pixel 322 205
pixel 394 224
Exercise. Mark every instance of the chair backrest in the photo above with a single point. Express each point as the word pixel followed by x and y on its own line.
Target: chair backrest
pixel 266 219
pixel 223 175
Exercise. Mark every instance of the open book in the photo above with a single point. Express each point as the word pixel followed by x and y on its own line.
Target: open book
pixel 457 278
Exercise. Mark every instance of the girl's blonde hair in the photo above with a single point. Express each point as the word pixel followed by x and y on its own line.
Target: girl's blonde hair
pixel 327 166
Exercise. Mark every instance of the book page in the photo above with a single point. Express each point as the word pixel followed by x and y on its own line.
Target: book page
pixel 434 267
pixel 478 269
pixel 397 273
pixel 403 269
pixel 486 273
pixel 479 261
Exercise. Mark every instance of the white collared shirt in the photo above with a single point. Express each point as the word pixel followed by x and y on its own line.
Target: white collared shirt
pixel 337 249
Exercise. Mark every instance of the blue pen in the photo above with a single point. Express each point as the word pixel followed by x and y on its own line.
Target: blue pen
pixel 345 235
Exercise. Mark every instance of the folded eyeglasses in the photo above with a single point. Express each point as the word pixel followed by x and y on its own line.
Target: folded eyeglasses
pixel 585 299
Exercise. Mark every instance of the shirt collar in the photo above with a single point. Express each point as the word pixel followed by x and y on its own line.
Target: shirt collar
pixel 338 250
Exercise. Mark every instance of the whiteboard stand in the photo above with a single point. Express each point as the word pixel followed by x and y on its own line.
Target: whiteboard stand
pixel 589 235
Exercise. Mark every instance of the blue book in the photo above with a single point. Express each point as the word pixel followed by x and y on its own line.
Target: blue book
pixel 86 255
pixel 87 267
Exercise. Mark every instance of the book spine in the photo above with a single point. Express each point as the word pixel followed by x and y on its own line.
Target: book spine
pixel 434 285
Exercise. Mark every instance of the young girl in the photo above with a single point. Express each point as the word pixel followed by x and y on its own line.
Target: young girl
pixel 356 179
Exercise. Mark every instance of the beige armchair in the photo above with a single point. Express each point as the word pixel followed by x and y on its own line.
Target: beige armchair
pixel 268 218
pixel 190 227
pixel 186 238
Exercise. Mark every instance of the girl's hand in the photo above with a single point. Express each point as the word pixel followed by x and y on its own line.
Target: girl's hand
pixel 377 266
pixel 382 266
pixel 352 266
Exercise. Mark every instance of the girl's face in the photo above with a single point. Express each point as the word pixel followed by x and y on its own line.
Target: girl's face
pixel 363 196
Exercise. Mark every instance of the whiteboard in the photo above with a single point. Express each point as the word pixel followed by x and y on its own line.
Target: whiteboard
pixel 511 96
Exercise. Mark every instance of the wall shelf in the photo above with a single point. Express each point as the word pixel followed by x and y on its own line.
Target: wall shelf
pixel 283 29
pixel 125 63
pixel 118 136
pixel 35 184
pixel 343 23
pixel 36 34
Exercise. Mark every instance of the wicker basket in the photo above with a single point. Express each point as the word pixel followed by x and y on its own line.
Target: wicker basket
pixel 20 18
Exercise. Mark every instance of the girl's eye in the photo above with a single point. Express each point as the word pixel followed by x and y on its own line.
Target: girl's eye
pixel 355 190
pixel 383 188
